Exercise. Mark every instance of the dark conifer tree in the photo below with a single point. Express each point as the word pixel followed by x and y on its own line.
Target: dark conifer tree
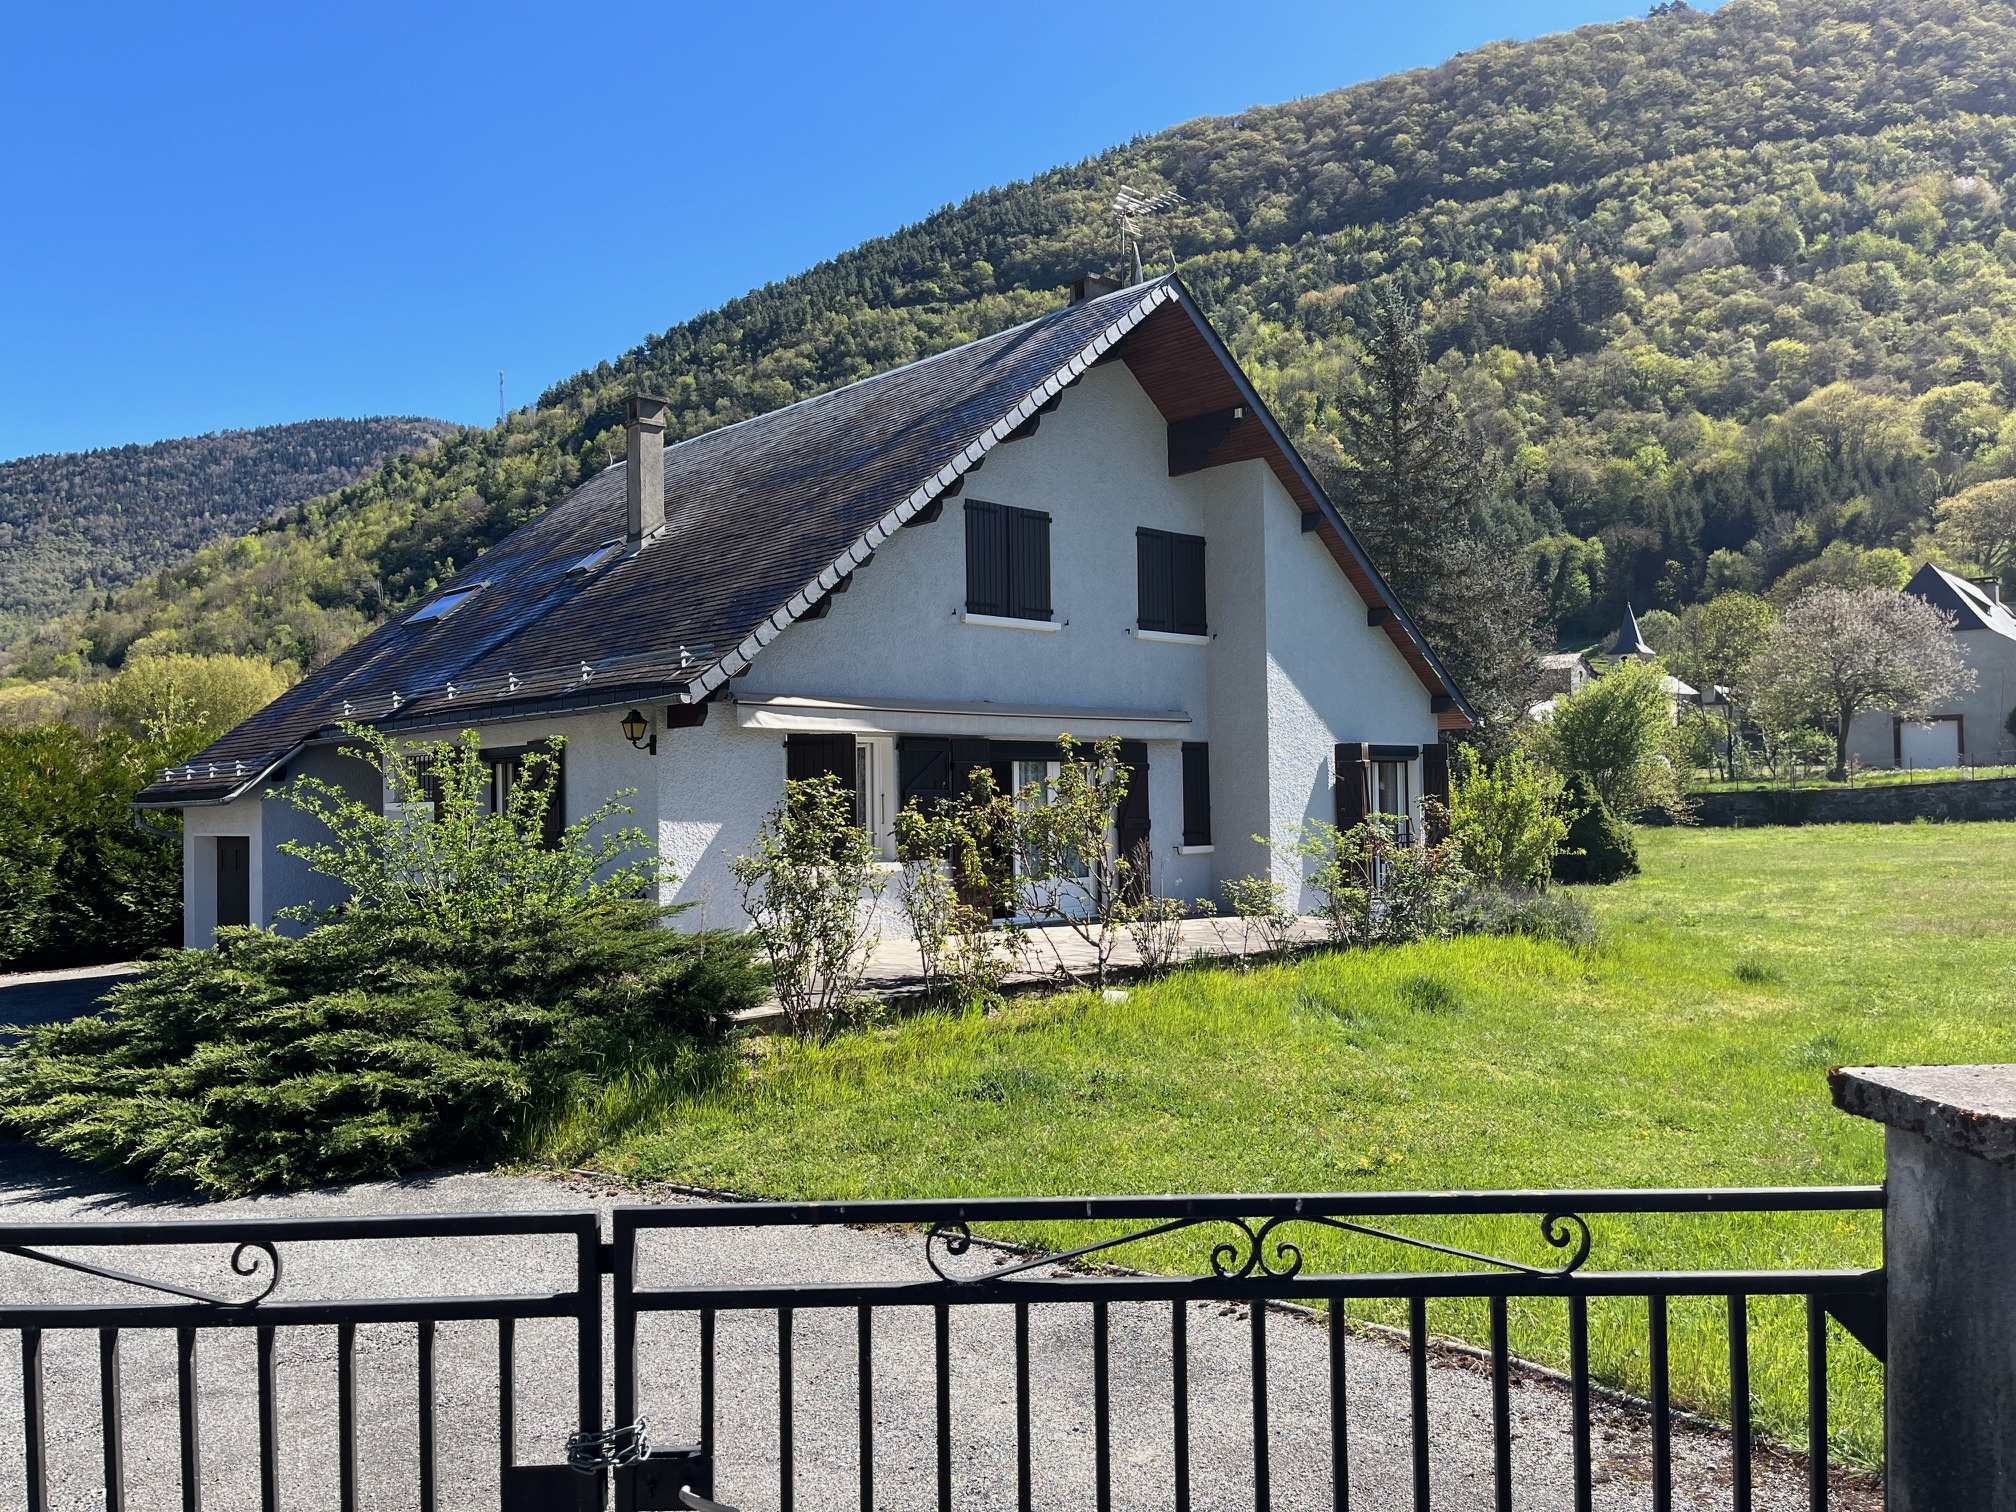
pixel 1413 484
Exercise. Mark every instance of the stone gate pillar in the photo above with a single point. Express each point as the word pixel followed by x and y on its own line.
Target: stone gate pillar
pixel 1949 1251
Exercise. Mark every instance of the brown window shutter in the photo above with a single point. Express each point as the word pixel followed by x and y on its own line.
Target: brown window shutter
pixel 1131 823
pixel 1186 572
pixel 1196 793
pixel 234 880
pixel 1028 564
pixel 1155 607
pixel 986 559
pixel 1353 770
pixel 1435 789
pixel 553 824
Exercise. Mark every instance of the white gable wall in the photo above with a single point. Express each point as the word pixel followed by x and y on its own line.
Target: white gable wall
pixel 1331 678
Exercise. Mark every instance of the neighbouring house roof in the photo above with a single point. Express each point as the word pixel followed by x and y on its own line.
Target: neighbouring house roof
pixel 763 519
pixel 1971 605
pixel 1629 641
pixel 1562 672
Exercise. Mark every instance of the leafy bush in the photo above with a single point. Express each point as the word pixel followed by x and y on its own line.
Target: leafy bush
pixel 809 884
pixel 1557 916
pixel 475 974
pixel 953 863
pixel 451 863
pixel 78 882
pixel 1617 732
pixel 1508 818
pixel 1377 888
pixel 1601 847
pixel 370 1046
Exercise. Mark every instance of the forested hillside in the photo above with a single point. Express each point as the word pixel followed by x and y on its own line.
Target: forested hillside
pixel 1731 297
pixel 80 523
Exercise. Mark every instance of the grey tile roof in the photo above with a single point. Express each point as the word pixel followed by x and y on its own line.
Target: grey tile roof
pixel 755 513
pixel 1970 606
pixel 761 518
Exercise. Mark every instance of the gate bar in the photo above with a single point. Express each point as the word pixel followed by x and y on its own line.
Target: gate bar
pixel 112 1419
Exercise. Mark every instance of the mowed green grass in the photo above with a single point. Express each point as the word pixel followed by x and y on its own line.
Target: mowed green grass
pixel 1690 1048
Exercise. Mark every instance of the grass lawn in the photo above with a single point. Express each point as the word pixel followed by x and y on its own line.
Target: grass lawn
pixel 1690 1048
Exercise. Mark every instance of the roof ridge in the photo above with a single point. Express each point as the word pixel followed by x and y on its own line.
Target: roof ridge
pixel 905 367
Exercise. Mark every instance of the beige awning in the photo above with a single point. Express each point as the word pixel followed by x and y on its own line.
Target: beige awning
pixel 928 716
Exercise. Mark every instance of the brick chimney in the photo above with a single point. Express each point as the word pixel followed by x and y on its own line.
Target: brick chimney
pixel 644 452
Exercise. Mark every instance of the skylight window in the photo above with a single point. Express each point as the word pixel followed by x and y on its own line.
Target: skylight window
pixel 594 559
pixel 443 606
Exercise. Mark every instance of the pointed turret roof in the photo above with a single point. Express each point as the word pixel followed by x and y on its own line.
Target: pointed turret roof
pixel 1629 641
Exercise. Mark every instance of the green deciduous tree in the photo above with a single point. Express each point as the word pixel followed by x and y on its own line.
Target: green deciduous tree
pixel 1978 525
pixel 1839 651
pixel 1616 732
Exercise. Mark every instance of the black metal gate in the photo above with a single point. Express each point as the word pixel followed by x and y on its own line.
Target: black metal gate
pixel 830 1375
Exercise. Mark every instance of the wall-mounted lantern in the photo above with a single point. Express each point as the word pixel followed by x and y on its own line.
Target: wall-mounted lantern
pixel 636 727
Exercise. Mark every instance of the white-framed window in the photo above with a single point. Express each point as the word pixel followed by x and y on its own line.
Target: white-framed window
pixel 1392 797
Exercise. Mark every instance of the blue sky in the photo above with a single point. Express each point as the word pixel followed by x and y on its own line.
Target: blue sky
pixel 223 215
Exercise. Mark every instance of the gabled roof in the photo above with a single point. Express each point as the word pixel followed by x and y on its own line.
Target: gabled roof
pixel 763 519
pixel 1968 603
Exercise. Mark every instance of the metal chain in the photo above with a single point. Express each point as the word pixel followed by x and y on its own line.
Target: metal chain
pixel 608 1448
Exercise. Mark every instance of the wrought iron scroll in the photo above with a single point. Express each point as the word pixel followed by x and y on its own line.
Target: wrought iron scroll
pixel 243 1263
pixel 1246 1253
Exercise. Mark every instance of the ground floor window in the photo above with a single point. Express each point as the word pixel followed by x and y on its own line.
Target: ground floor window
pixel 510 771
pixel 1390 796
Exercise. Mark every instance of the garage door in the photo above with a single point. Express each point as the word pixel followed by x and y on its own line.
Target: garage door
pixel 1932 745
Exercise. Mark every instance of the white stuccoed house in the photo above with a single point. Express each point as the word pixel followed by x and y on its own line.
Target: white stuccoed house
pixel 1088 525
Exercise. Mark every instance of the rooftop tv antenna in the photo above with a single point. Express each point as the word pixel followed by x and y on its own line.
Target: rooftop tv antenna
pixel 1132 207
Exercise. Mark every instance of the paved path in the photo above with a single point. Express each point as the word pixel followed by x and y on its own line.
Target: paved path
pixel 29 998
pixel 33 1187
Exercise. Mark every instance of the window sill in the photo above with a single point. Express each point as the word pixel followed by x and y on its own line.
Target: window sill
pixel 1196 850
pixel 1171 637
pixel 1003 622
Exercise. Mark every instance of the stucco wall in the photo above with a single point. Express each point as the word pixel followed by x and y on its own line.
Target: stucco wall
pixel 200 829
pixel 1984 709
pixel 1329 677
pixel 1292 669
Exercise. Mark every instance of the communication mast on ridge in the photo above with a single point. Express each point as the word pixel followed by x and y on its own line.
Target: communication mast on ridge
pixel 1131 207
pixel 500 397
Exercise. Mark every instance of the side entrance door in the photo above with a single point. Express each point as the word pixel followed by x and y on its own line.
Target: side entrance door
pixel 234 880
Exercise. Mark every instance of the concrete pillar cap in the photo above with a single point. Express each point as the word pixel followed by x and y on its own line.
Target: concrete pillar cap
pixel 1971 1109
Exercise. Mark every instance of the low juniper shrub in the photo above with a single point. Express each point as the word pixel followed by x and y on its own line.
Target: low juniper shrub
pixel 368 1047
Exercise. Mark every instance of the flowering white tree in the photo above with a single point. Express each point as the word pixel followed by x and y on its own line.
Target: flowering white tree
pixel 1838 651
